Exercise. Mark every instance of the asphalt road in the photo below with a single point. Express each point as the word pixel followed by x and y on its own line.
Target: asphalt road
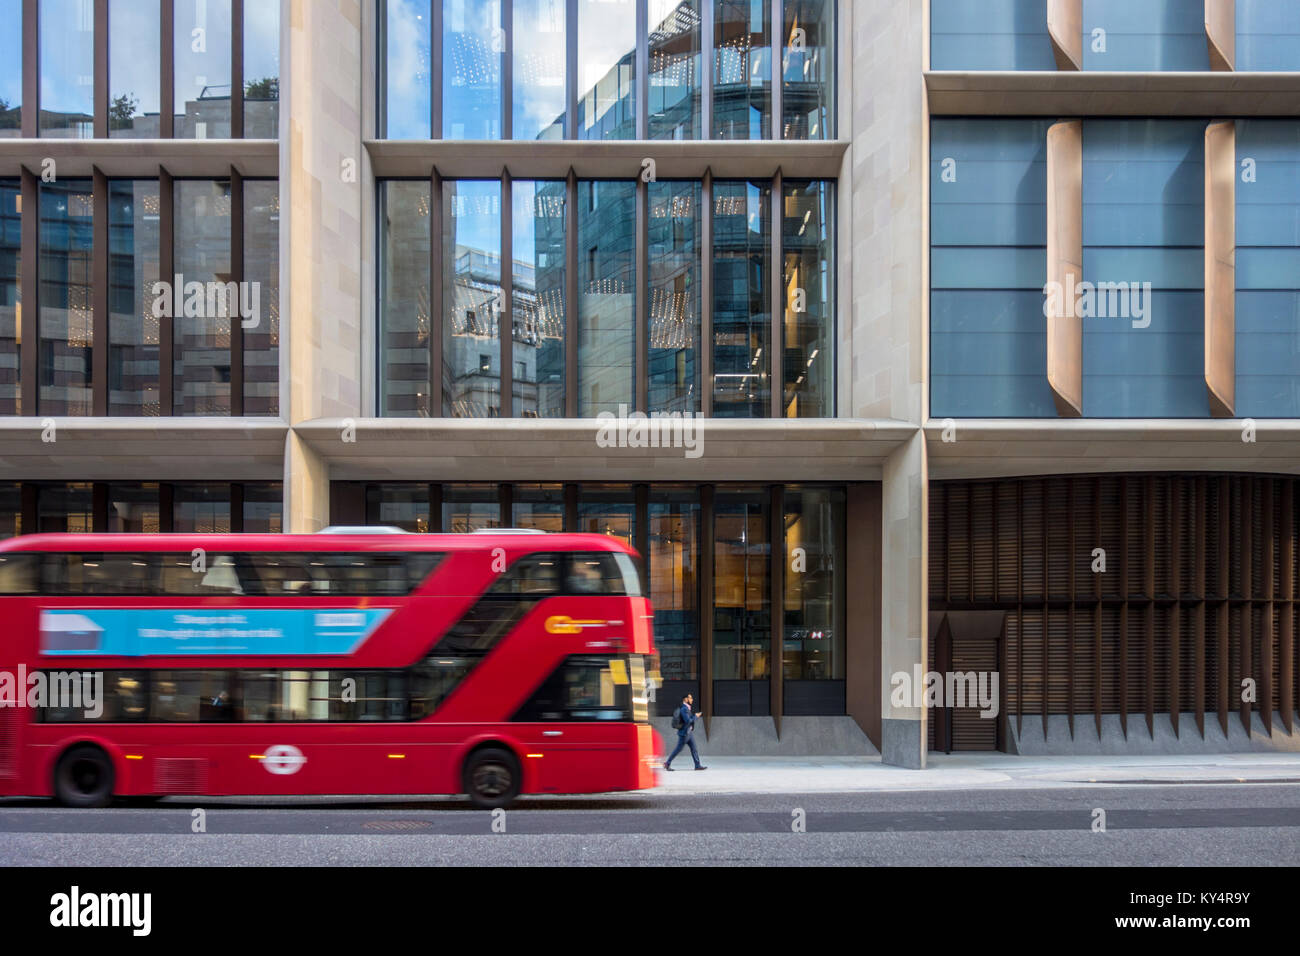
pixel 1150 825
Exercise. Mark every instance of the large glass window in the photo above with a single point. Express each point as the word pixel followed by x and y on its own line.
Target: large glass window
pixel 67 62
pixel 813 610
pixel 134 54
pixel 473 40
pixel 262 70
pixel 473 300
pixel 1144 224
pixel 674 296
pixel 133 508
pixel 404 312
pixel 65 507
pixel 201 335
pixel 201 509
pixel 742 78
pixel 675 69
pixel 606 295
pixel 673 557
pixel 1152 35
pixel 808 282
pixel 402 505
pixel 10 296
pixel 470 507
pixel 538 96
pixel 66 297
pixel 201 37
pixel 408 65
pixel 742 625
pixel 808 70
pixel 606 69
pixel 11 68
pixel 537 297
pixel 742 298
pixel 988 263
pixel 133 237
pixel 262 272
pixel 989 35
pixel 539 506
pixel 1268 36
pixel 608 510
pixel 263 507
pixel 11 520
pixel 1268 269
pixel 608 364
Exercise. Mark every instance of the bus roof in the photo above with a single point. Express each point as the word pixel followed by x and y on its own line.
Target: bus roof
pixel 183 541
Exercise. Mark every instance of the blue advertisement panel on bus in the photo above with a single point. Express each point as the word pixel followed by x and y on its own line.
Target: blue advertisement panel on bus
pixel 143 632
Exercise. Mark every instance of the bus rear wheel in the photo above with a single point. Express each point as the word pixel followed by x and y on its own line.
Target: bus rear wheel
pixel 84 777
pixel 492 777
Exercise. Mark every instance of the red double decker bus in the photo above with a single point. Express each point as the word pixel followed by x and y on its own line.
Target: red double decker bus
pixel 348 663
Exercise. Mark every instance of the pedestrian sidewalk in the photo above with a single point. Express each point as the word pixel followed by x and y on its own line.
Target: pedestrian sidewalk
pixel 970 770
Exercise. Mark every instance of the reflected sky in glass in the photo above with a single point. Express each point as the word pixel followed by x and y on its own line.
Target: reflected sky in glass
pixel 202 52
pixel 261 70
pixel 133 68
pixel 539 69
pixel 473 42
pixel 11 64
pixel 606 67
pixel 67 67
pixel 409 57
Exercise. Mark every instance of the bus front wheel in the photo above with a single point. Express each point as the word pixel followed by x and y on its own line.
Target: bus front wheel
pixel 492 777
pixel 84 777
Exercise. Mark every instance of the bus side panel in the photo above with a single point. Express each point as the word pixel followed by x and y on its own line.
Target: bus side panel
pixel 587 758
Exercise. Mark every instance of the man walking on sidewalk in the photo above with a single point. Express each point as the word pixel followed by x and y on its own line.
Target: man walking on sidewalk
pixel 684 722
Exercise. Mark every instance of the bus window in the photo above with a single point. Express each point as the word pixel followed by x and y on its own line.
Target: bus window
pixel 99 573
pixel 19 573
pixel 583 688
pixel 603 573
pixel 533 574
pixel 340 573
pixel 185 574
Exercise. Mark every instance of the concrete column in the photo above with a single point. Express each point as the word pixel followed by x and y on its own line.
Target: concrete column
pixel 883 252
pixel 903 633
pixel 323 181
pixel 306 487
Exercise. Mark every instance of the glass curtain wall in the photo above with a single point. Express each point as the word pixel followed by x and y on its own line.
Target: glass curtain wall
pixel 473 301
pixel 133 240
pixel 66 274
pixel 988 263
pixel 537 297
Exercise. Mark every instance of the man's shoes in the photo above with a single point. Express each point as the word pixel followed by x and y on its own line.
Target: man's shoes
pixel 701 768
pixel 668 768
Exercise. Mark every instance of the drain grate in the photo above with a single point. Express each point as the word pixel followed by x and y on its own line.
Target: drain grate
pixel 396 826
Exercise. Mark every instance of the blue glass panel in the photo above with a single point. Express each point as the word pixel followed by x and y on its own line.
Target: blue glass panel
pixel 1143 224
pixel 988 355
pixel 1268 35
pixel 1268 269
pixel 988 182
pixel 986 267
pixel 989 35
pixel 1150 35
pixel 1152 372
pixel 988 337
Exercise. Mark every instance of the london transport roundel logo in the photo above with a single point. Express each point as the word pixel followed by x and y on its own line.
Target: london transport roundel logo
pixel 283 759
